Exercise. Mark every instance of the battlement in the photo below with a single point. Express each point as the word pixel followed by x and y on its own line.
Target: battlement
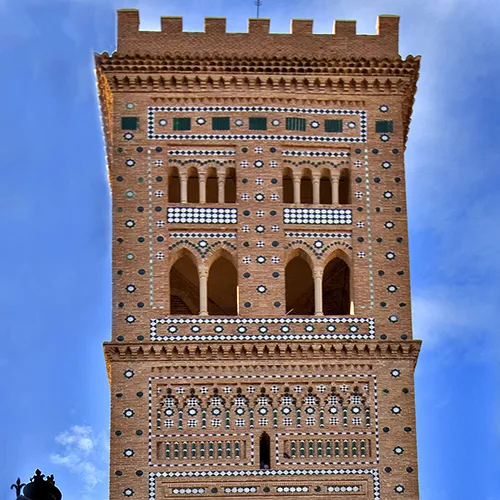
pixel 344 42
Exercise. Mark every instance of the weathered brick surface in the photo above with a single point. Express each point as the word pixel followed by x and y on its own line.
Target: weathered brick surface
pixel 342 72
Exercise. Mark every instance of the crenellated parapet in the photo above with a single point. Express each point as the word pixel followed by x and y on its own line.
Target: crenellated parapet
pixel 301 42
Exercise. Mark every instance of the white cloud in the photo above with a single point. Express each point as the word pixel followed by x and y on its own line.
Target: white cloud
pixel 80 436
pixel 461 313
pixel 84 454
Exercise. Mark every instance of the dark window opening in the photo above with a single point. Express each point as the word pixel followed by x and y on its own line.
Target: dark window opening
pixel 230 186
pixel 130 123
pixel 257 123
pixel 174 186
pixel 287 186
pixel 333 125
pixel 344 188
pixel 220 123
pixel 383 126
pixel 182 123
pixel 296 124
pixel 184 287
pixel 299 288
pixel 325 191
pixel 336 288
pixel 193 186
pixel 222 288
pixel 265 451
pixel 306 188
pixel 212 194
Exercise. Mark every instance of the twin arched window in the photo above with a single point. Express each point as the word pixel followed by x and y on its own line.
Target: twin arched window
pixel 328 295
pixel 215 295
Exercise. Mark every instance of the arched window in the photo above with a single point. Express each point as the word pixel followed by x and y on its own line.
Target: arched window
pixel 222 287
pixel 325 188
pixel 344 187
pixel 336 288
pixel 299 287
pixel 230 186
pixel 184 286
pixel 306 187
pixel 174 186
pixel 212 195
pixel 265 451
pixel 287 186
pixel 193 186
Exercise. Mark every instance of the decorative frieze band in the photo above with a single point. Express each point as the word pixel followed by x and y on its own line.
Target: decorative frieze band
pixel 271 474
pixel 290 328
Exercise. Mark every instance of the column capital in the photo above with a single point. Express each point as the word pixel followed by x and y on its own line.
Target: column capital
pixel 318 273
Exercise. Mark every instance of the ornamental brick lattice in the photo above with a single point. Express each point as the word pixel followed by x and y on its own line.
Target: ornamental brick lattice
pixel 262 342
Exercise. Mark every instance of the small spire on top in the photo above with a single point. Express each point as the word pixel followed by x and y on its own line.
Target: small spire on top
pixel 258 3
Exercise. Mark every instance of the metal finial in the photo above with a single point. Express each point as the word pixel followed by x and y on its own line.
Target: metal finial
pixel 18 486
pixel 258 3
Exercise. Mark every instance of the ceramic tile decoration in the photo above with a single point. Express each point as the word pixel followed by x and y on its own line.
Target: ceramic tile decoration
pixel 316 216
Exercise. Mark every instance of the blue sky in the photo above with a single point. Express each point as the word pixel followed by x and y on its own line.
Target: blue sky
pixel 55 217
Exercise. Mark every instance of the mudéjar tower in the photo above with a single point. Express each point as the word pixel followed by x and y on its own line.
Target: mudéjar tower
pixel 262 342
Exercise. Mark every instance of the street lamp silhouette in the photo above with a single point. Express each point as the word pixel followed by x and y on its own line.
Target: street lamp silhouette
pixel 37 489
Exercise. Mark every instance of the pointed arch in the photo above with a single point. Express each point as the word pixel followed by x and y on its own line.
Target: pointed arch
pixel 222 286
pixel 174 185
pixel 325 187
pixel 265 451
pixel 336 286
pixel 211 186
pixel 306 187
pixel 299 284
pixel 184 286
pixel 287 185
pixel 230 185
pixel 344 187
pixel 193 186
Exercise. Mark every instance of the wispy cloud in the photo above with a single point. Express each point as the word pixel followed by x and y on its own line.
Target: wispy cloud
pixel 84 454
pixel 460 313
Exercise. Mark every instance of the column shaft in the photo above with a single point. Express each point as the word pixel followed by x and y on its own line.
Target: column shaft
pixel 296 190
pixel 203 189
pixel 316 183
pixel 335 190
pixel 221 189
pixel 184 189
pixel 318 293
pixel 203 294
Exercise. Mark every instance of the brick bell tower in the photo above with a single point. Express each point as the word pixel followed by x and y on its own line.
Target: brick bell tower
pixel 262 343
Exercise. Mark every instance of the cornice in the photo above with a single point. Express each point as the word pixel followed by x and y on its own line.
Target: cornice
pixel 105 94
pixel 214 63
pixel 292 351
